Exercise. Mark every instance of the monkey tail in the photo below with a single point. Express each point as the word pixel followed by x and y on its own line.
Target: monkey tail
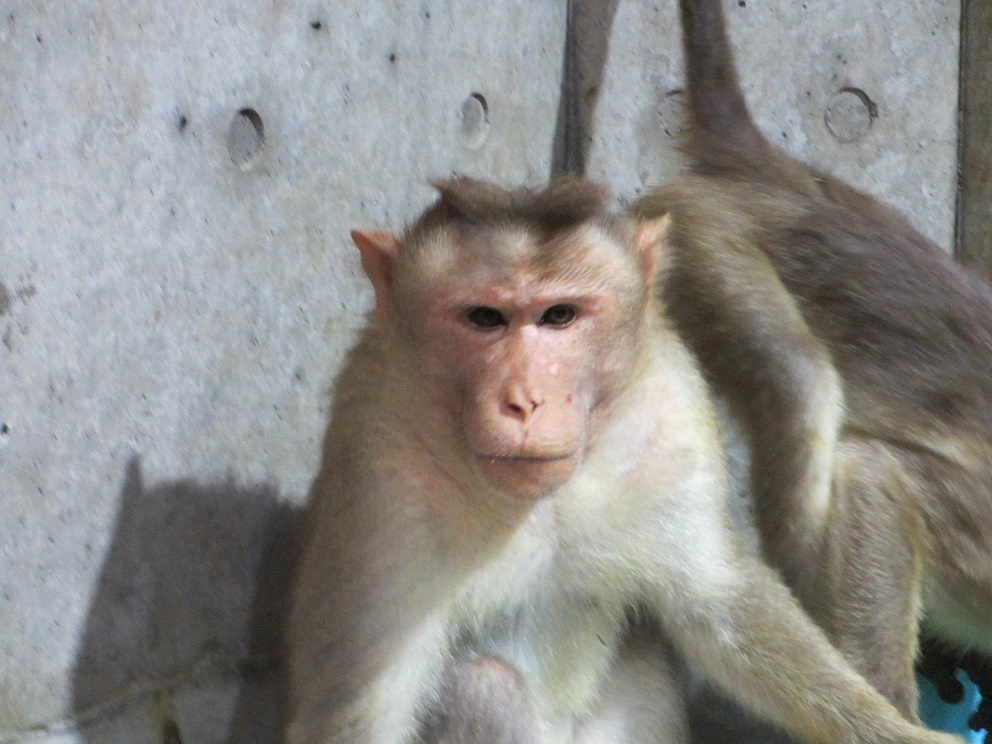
pixel 722 137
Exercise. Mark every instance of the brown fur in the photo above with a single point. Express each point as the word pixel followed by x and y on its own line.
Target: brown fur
pixel 860 357
pixel 519 527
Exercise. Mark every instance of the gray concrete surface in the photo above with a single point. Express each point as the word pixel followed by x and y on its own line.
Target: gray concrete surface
pixel 177 287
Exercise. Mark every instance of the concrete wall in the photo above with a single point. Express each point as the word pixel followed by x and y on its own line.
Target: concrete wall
pixel 177 288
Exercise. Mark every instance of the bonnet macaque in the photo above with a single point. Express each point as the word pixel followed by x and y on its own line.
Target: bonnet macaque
pixel 859 357
pixel 519 529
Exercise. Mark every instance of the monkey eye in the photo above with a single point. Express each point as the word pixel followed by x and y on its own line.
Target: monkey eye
pixel 558 316
pixel 485 317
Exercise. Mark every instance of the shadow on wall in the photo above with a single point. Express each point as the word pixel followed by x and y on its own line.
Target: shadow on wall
pixel 183 639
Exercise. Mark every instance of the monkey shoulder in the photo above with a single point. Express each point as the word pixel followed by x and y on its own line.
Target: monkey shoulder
pixel 678 407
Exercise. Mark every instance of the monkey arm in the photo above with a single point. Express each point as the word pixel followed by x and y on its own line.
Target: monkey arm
pixel 730 614
pixel 741 625
pixel 382 707
pixel 727 612
pixel 369 640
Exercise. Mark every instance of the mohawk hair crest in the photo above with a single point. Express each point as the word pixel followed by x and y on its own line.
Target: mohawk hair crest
pixel 564 202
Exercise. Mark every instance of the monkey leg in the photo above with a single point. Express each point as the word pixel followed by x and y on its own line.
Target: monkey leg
pixel 873 569
pixel 485 701
pixel 729 304
pixel 954 502
pixel 643 701
pixel 957 620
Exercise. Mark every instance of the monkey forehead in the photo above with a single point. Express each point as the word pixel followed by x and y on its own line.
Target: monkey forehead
pixel 585 255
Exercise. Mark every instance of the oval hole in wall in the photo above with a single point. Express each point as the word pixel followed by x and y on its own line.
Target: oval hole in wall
pixel 246 138
pixel 475 120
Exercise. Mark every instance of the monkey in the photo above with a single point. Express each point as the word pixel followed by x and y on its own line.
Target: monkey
pixel 857 354
pixel 518 532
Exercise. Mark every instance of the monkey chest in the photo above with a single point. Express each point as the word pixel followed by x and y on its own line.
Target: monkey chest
pixel 558 625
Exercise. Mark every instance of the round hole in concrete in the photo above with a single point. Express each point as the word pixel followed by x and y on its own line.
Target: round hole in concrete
pixel 475 120
pixel 246 138
pixel 850 114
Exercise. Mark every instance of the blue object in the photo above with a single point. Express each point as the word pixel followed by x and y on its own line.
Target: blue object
pixel 951 718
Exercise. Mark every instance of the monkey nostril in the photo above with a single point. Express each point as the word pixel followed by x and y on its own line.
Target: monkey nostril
pixel 520 411
pixel 520 405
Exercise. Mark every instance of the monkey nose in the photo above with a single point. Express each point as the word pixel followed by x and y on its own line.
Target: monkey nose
pixel 521 406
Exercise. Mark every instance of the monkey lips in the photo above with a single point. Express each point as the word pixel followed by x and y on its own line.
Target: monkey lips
pixel 527 477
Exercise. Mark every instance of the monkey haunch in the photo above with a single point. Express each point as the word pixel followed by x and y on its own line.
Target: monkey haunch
pixel 520 514
pixel 860 357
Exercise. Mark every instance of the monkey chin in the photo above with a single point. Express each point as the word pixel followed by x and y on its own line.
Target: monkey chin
pixel 528 478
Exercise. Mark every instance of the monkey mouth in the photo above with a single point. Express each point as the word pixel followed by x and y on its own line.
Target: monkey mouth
pixel 527 459
pixel 528 477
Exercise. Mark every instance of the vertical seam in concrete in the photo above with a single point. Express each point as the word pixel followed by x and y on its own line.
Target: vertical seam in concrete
pixel 568 156
pixel 958 248
pixel 574 160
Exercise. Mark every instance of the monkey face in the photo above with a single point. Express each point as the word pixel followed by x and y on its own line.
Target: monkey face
pixel 529 362
pixel 521 334
pixel 525 402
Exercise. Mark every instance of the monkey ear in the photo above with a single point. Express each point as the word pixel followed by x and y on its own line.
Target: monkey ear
pixel 649 240
pixel 379 251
